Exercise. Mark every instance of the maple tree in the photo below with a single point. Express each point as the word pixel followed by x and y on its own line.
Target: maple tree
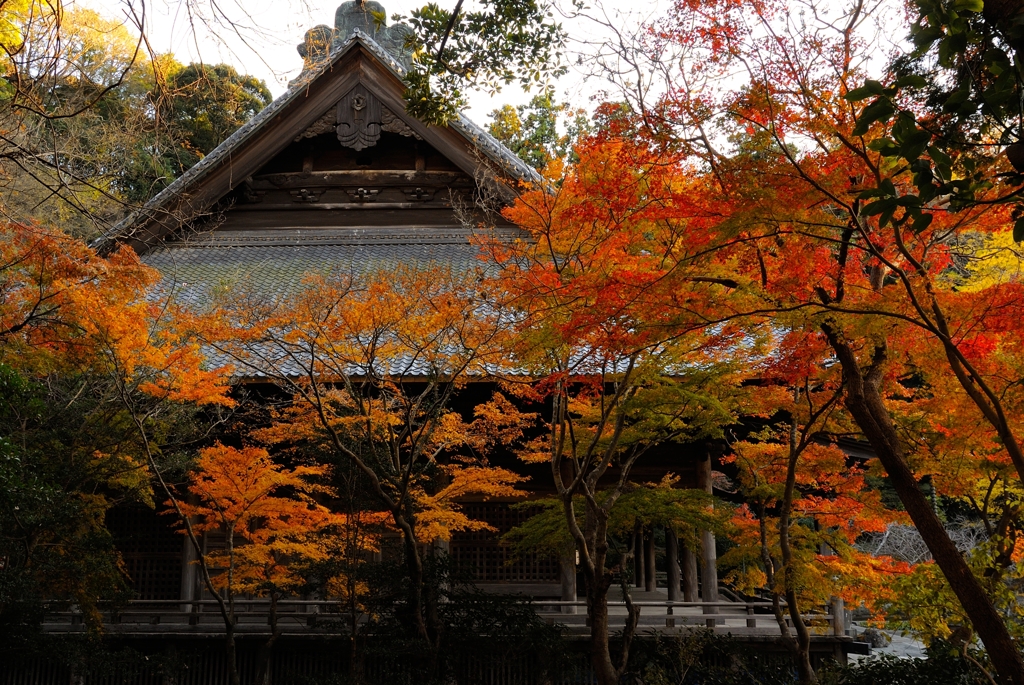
pixel 785 168
pixel 372 362
pixel 801 498
pixel 68 308
pixel 621 373
pixel 48 281
pixel 271 524
pixel 89 333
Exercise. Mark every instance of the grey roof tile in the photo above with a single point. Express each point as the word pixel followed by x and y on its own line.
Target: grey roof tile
pixel 196 272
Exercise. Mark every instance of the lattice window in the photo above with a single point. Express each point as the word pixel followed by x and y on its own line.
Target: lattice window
pixel 483 552
pixel 151 551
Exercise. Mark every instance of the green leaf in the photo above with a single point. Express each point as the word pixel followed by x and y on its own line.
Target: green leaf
pixel 910 81
pixel 1018 231
pixel 997 60
pixel 951 46
pixel 870 87
pixel 957 97
pixel 885 146
pixel 914 144
pixel 858 94
pixel 969 5
pixel 941 159
pixel 926 36
pixel 879 206
pixel 922 221
pixel 880 109
pixel 909 201
pixel 874 87
pixel 870 193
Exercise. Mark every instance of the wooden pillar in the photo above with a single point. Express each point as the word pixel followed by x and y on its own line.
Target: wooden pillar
pixel 709 565
pixel 672 563
pixel 638 561
pixel 650 569
pixel 838 616
pixel 567 574
pixel 690 583
pixel 189 575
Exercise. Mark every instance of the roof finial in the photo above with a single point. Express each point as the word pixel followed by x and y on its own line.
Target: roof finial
pixel 366 16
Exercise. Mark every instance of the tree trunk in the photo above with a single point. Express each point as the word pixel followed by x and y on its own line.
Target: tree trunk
pixel 865 403
pixel 567 574
pixel 355 662
pixel 599 580
pixel 263 658
pixel 638 561
pixel 803 636
pixel 414 564
pixel 600 648
pixel 229 643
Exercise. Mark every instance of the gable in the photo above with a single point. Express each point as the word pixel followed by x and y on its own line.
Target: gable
pixel 336 151
pixel 341 175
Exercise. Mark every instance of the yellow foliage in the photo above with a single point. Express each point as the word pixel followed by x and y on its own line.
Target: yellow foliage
pixel 440 514
pixel 991 259
pixel 267 513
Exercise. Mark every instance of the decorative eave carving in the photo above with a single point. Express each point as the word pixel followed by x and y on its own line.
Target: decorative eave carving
pixel 184 198
pixel 358 119
pixel 393 124
pixel 324 124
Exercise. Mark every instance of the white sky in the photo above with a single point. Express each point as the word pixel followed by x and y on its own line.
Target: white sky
pixel 270 30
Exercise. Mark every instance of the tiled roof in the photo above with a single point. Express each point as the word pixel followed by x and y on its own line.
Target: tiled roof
pixel 273 264
pixel 194 270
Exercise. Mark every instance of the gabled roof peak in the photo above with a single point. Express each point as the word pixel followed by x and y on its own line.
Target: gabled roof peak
pixel 180 200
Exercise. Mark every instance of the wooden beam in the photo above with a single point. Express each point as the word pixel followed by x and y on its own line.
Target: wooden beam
pixel 360 177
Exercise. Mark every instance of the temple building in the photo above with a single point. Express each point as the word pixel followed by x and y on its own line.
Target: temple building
pixel 334 174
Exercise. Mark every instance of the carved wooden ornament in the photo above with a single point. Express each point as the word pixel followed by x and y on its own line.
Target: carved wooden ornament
pixel 359 119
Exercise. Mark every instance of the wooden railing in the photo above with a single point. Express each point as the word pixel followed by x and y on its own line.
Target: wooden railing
pixel 299 616
pixel 722 615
